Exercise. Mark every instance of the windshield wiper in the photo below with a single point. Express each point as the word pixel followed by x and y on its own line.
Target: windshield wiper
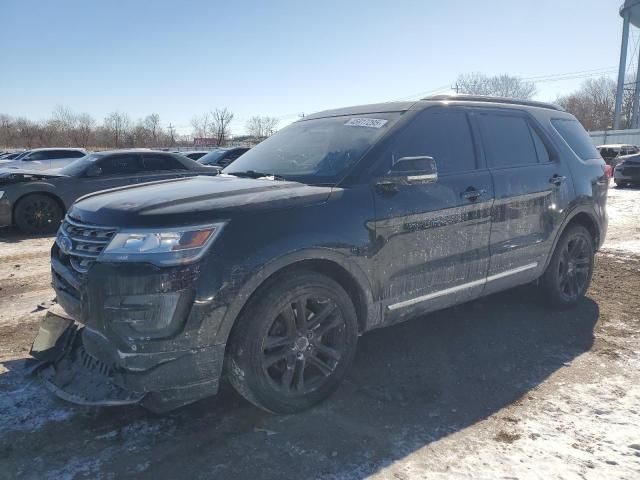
pixel 254 174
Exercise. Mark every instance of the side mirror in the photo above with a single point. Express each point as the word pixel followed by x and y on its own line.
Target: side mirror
pixel 93 171
pixel 414 170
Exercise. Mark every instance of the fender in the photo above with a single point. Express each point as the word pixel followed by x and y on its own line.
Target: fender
pixel 575 210
pixel 244 293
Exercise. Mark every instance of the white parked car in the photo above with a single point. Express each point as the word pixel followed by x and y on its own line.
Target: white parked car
pixel 43 158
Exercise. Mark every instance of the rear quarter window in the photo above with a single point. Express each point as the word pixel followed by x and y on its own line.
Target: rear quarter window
pixel 576 137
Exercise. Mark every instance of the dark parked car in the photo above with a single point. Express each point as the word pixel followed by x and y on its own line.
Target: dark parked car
pixel 627 171
pixel 195 154
pixel 345 221
pixel 222 157
pixel 613 154
pixel 36 201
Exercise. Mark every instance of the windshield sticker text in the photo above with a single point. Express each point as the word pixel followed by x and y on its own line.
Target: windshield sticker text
pixel 366 122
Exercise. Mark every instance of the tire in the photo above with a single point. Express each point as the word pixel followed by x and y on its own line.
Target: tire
pixel 318 350
pixel 621 184
pixel 37 213
pixel 568 275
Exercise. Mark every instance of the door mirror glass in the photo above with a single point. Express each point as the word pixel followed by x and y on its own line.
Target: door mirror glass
pixel 93 171
pixel 414 170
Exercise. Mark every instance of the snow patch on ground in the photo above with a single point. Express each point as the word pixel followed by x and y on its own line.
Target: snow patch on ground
pixel 623 208
pixel 25 404
pixel 569 430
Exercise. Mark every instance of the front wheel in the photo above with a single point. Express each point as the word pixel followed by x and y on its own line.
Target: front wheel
pixel 293 344
pixel 37 213
pixel 568 275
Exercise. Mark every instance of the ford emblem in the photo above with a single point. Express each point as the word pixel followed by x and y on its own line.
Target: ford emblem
pixel 65 245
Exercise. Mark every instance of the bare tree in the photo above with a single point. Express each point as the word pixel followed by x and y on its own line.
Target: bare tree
pixel 152 124
pixel 63 121
pixel 593 104
pixel 27 131
pixel 83 130
pixel 201 125
pixel 221 119
pixel 498 85
pixel 49 133
pixel 261 127
pixel 6 130
pixel 118 125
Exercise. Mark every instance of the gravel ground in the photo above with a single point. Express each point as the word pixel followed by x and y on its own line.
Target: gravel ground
pixel 498 388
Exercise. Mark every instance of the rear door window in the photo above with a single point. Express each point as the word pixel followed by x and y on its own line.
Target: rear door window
pixel 576 137
pixel 59 154
pixel 508 140
pixel 156 162
pixel 541 148
pixel 123 164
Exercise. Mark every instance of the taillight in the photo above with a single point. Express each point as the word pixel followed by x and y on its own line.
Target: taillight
pixel 607 170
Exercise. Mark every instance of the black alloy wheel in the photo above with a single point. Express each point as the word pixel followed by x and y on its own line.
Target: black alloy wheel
pixel 293 343
pixel 37 214
pixel 569 273
pixel 574 267
pixel 304 344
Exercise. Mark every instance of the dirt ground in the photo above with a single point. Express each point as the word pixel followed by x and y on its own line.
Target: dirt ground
pixel 502 387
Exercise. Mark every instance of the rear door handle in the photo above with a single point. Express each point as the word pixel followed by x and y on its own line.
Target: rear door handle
pixel 472 194
pixel 557 179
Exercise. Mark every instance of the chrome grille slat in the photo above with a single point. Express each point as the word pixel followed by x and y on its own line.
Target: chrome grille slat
pixel 87 240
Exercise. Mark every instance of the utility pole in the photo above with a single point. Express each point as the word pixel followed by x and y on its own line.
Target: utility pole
pixel 171 128
pixel 456 87
pixel 626 14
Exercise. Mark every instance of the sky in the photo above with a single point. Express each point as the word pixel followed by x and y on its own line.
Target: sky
pixel 182 58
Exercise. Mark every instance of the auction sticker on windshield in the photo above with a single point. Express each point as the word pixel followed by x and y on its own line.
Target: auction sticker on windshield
pixel 366 122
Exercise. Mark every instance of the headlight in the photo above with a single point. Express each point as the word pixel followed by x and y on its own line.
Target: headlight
pixel 163 247
pixel 1 194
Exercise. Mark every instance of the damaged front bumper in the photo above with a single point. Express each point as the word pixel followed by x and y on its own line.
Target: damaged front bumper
pixel 65 360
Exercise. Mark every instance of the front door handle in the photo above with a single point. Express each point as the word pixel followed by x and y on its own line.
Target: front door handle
pixel 472 194
pixel 557 180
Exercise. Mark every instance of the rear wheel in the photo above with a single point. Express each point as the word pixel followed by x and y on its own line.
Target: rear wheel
pixel 293 344
pixel 38 213
pixel 568 275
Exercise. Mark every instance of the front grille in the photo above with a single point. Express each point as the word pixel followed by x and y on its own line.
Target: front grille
pixel 87 242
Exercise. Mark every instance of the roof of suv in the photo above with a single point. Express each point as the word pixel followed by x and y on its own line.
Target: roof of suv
pixel 428 101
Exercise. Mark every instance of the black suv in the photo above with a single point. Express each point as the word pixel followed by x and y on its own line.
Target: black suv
pixel 345 221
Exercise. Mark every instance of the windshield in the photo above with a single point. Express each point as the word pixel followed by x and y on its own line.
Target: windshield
pixel 319 151
pixel 212 157
pixel 77 167
pixel 23 154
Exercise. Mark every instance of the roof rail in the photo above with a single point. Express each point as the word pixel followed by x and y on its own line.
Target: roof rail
pixel 486 98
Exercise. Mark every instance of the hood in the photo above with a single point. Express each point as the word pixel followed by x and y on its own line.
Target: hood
pixel 10 176
pixel 191 201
